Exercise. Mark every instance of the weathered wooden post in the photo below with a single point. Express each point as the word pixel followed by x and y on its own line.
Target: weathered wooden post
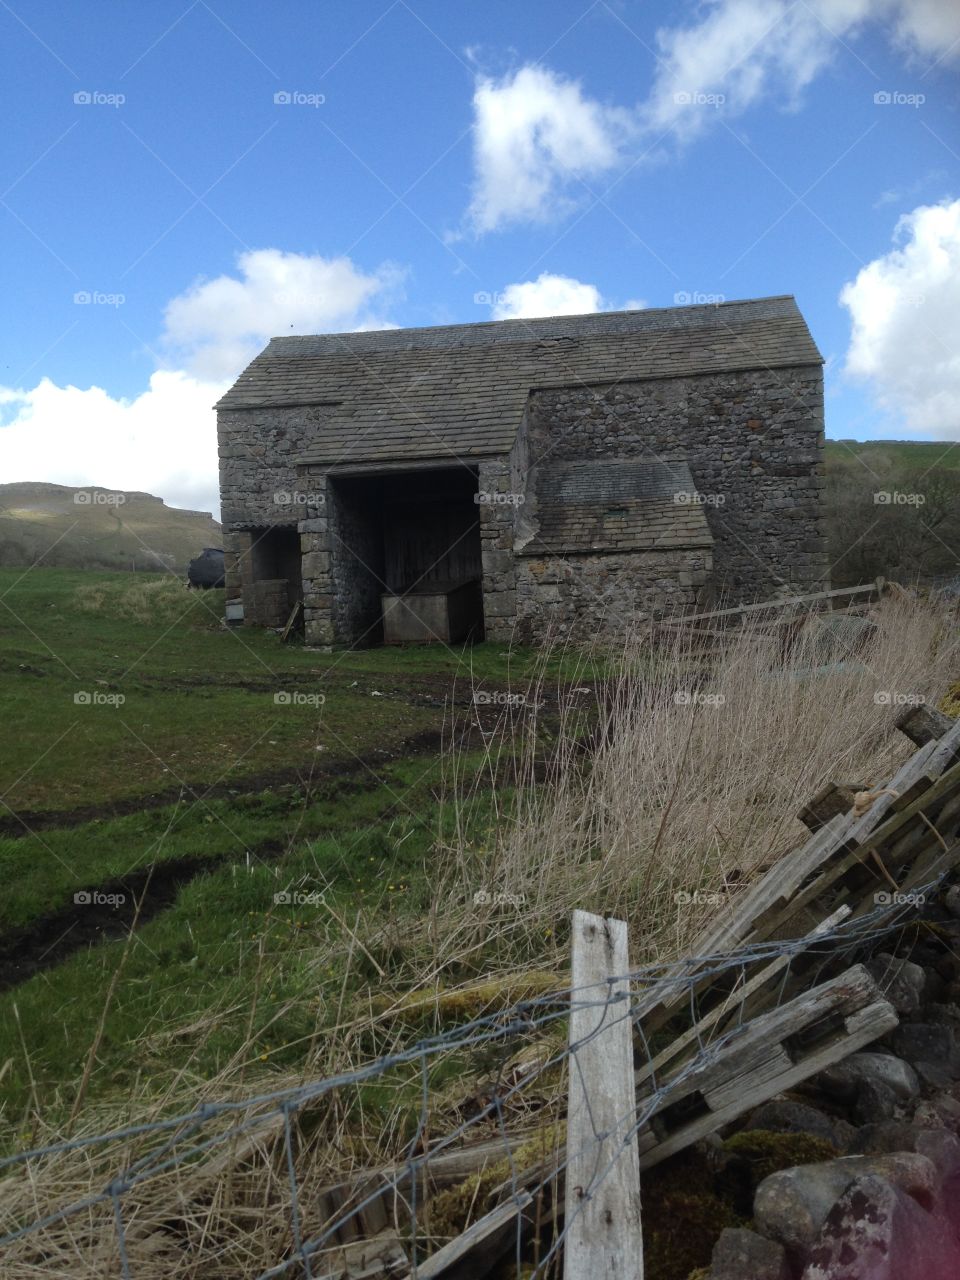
pixel 603 1237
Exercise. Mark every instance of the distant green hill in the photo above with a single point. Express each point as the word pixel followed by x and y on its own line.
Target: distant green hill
pixel 921 454
pixel 892 508
pixel 95 528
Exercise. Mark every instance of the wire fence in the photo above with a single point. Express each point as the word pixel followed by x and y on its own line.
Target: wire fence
pixel 115 1228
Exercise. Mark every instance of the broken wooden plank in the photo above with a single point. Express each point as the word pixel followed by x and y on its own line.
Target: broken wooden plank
pixel 773 1053
pixel 928 869
pixel 375 1259
pixel 765 606
pixel 777 897
pixel 922 723
pixel 857 858
pixel 479 1247
pixel 738 1002
pixel 833 799
pixel 602 1199
pixel 291 621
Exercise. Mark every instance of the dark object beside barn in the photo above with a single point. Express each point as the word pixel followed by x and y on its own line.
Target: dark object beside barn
pixel 206 570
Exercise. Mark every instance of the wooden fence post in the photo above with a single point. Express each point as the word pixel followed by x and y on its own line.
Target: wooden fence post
pixel 603 1236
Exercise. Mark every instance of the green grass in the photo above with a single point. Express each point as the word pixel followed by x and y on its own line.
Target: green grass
pixel 331 798
pixel 271 974
pixel 198 697
pixel 918 455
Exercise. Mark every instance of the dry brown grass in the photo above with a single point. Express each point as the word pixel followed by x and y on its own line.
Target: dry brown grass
pixel 615 812
pixel 150 600
pixel 691 781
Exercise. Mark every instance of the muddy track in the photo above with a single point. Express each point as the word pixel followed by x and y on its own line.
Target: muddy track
pixel 107 911
pixel 419 692
pixel 104 912
pixel 356 770
pixel 336 777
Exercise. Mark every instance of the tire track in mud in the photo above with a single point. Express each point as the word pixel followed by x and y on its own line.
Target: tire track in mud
pixel 345 775
pixel 106 911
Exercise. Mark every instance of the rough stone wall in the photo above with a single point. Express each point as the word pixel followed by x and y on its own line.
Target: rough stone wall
pixel 356 568
pixel 266 603
pixel 316 565
pixel 498 490
pixel 258 452
pixel 236 562
pixel 583 595
pixel 754 444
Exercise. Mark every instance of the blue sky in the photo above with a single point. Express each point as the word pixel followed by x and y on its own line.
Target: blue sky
pixel 443 162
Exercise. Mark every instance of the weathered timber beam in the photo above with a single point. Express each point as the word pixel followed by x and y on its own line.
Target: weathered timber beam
pixel 922 723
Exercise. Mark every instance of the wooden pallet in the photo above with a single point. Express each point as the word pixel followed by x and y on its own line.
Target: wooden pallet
pixel 766 1056
pixel 776 906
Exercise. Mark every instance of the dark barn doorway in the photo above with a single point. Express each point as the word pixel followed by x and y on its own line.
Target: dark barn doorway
pixel 407 536
pixel 275 570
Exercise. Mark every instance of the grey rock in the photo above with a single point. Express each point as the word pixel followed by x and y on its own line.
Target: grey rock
pixel 857 1237
pixel 942 1149
pixel 933 1075
pixel 901 981
pixel 790 1206
pixel 838 635
pixel 947 1012
pixel 883 1138
pixel 948 1109
pixel 845 1078
pixel 874 1102
pixel 784 1115
pixel 938 1144
pixel 951 900
pixel 740 1253
pixel 875 1232
pixel 926 1042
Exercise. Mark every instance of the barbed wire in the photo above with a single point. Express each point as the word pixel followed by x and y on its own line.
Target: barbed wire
pixel 184 1140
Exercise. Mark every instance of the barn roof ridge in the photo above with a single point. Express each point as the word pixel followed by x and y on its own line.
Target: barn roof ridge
pixel 462 388
pixel 534 328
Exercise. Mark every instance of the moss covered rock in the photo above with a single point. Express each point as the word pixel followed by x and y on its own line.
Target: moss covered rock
pixel 951 700
pixel 768 1152
pixel 684 1213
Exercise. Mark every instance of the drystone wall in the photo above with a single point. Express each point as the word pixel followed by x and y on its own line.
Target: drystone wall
pixel 754 446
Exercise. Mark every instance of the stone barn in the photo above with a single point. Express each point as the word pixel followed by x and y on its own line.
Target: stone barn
pixel 520 477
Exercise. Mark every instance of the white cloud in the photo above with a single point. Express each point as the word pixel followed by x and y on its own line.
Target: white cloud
pixel 535 134
pixel 738 53
pixel 747 50
pixel 552 295
pixel 905 309
pixel 164 440
pixel 548 295
pixel 217 326
pixel 928 29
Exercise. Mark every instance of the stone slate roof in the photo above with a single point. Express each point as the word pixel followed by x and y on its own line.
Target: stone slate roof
pixel 460 390
pixel 615 505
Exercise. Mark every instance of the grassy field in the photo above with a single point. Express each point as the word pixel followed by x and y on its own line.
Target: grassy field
pixel 915 455
pixel 217 889
pixel 144 744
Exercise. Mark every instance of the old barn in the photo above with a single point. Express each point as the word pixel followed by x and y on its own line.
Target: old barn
pixel 524 476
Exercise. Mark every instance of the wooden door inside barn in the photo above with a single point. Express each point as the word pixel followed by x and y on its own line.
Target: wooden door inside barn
pixel 431 538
